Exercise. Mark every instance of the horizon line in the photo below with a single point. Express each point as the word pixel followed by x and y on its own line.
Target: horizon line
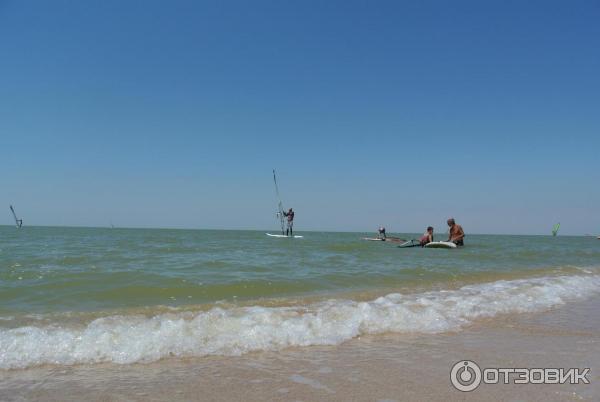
pixel 266 230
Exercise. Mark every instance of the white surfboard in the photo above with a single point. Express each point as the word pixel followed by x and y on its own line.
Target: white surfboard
pixel 284 236
pixel 440 244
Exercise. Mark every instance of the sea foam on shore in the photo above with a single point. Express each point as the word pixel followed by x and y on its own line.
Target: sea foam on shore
pixel 128 339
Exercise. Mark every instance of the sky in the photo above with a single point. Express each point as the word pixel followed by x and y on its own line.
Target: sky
pixel 396 113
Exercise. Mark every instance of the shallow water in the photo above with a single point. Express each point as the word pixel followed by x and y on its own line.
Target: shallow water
pixel 129 295
pixel 78 269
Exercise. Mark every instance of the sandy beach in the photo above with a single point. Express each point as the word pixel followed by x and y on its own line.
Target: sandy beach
pixel 374 368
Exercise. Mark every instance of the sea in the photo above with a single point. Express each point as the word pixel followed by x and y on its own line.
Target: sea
pixel 86 296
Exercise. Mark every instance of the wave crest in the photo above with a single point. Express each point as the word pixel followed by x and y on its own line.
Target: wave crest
pixel 128 339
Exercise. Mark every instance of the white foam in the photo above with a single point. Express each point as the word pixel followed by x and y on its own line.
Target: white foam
pixel 129 339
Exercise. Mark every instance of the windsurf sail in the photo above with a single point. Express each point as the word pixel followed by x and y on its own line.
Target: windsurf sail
pixel 279 205
pixel 18 222
pixel 555 229
pixel 410 243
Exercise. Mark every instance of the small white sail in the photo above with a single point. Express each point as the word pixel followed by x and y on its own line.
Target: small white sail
pixel 279 205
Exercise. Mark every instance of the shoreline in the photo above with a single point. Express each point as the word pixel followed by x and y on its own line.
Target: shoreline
pixel 128 339
pixel 374 367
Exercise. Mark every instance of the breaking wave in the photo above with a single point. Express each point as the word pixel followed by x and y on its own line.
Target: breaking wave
pixel 128 339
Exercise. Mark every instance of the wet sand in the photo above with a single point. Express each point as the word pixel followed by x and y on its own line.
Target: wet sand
pixel 391 367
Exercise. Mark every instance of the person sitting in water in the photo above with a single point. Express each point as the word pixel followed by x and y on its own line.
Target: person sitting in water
pixel 427 237
pixel 289 231
pixel 381 235
pixel 456 233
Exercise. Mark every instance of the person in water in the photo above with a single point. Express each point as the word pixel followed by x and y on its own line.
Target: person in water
pixel 456 233
pixel 289 231
pixel 382 235
pixel 427 237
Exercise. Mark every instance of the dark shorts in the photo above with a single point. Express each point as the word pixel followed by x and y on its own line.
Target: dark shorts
pixel 459 242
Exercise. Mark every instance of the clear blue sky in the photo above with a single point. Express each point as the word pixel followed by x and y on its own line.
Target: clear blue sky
pixel 172 114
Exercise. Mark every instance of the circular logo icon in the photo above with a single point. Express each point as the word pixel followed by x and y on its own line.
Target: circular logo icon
pixel 465 375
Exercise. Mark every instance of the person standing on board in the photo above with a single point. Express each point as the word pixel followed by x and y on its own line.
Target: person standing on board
pixel 289 231
pixel 456 233
pixel 382 235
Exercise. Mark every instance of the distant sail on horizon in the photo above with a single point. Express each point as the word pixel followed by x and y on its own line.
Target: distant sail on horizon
pixel 18 222
pixel 555 229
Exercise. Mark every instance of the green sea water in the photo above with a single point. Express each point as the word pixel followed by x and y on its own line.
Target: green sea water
pixel 90 295
pixel 61 269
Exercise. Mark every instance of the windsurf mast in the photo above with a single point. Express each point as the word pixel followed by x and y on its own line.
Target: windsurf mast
pixel 555 229
pixel 280 205
pixel 18 222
